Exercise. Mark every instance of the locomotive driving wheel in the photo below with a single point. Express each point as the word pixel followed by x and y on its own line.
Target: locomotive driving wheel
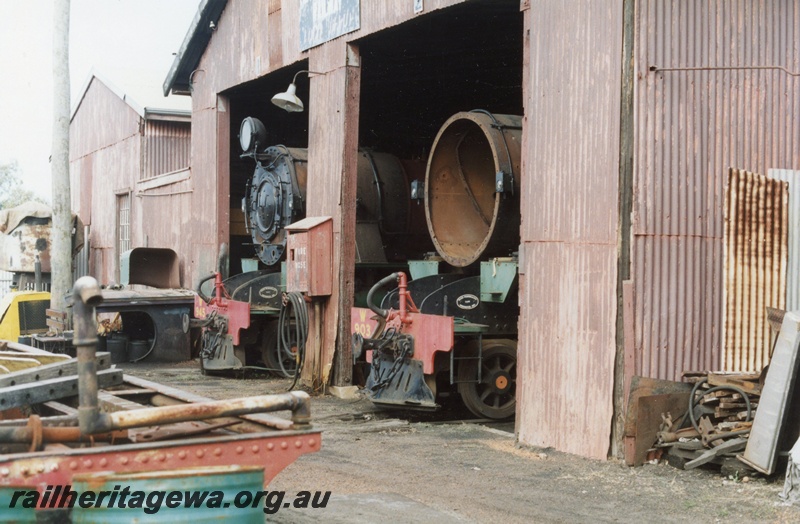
pixel 495 395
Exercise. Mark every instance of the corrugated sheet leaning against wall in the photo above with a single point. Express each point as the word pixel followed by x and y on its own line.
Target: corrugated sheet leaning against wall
pixel 756 248
pixel 793 262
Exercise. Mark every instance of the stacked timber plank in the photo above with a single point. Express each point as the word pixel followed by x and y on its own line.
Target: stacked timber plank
pixel 717 430
pixel 728 405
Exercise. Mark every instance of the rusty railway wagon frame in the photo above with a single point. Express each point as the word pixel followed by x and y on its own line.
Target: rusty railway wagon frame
pixel 260 439
pixel 246 434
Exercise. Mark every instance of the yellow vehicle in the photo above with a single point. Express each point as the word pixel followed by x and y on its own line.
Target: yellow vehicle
pixel 23 313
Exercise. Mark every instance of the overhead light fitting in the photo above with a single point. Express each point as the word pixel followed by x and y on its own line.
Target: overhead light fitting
pixel 288 100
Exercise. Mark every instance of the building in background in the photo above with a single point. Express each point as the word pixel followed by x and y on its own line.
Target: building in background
pixel 129 165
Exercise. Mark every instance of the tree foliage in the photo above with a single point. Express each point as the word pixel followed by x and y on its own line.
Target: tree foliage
pixel 12 192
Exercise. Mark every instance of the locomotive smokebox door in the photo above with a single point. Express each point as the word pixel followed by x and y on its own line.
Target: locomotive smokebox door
pixel 309 258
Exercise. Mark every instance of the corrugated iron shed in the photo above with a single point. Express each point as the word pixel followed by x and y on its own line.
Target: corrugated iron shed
pixel 715 86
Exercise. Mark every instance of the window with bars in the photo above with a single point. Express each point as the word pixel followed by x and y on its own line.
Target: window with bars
pixel 124 222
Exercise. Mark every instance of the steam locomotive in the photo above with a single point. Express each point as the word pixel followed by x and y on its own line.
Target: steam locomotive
pixel 454 324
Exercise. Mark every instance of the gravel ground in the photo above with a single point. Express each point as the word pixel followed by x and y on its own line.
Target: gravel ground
pixel 402 467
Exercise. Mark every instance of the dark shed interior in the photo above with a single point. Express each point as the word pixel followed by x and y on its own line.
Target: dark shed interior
pixel 416 75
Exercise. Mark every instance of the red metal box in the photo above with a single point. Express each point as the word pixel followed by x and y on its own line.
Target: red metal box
pixel 309 259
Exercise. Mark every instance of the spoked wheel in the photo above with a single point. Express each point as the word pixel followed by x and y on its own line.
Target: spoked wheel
pixel 279 361
pixel 495 395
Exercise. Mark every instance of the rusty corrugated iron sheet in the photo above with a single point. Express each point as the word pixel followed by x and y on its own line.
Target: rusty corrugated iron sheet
pixel 568 267
pixel 756 251
pixel 712 91
pixel 167 147
pixel 793 262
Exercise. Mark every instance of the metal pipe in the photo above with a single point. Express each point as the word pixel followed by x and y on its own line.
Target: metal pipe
pixel 295 401
pixel 37 434
pixel 656 69
pixel 55 421
pixel 405 297
pixel 86 295
pixel 25 435
pixel 37 271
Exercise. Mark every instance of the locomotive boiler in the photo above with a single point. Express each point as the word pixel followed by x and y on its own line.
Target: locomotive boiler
pixel 453 324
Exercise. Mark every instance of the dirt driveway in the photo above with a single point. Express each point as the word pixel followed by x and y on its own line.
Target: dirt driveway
pixel 389 467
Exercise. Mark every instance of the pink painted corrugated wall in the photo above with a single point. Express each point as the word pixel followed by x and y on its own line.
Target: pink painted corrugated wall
pixel 713 90
pixel 569 226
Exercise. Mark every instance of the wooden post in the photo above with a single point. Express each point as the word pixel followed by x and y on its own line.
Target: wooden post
pixel 61 244
pixel 332 185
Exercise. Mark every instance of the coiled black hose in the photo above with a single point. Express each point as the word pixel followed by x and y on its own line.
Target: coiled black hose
pixel 382 282
pixel 693 402
pixel 294 308
pixel 202 281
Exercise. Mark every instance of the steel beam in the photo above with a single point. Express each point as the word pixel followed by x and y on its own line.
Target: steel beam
pixel 47 371
pixel 52 389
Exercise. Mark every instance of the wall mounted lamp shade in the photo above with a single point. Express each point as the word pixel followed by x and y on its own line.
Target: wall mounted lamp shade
pixel 288 100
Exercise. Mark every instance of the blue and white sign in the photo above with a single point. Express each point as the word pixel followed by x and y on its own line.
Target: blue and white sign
pixel 324 20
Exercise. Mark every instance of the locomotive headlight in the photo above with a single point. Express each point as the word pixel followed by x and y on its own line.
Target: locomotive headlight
pixel 251 134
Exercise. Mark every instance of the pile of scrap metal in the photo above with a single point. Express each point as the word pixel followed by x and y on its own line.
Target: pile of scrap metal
pixel 743 422
pixel 720 418
pixel 85 417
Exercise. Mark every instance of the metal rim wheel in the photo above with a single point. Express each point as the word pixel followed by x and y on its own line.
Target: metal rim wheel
pixel 495 395
pixel 278 362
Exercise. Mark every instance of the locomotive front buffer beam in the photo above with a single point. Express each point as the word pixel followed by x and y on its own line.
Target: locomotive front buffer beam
pixel 401 369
